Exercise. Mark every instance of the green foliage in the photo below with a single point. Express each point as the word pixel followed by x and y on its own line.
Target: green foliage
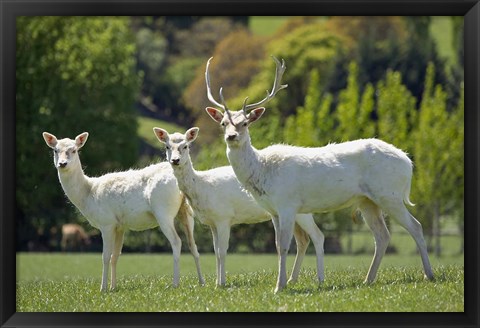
pixel 301 128
pixel 438 155
pixel 268 132
pixel 325 120
pixel 396 111
pixel 71 283
pixel 73 74
pixel 455 174
pixel 170 49
pixel 367 107
pixel 265 25
pixel 236 61
pixel 304 49
pixel 348 102
pixel 442 31
pixel 145 130
pixel 354 110
pixel 152 47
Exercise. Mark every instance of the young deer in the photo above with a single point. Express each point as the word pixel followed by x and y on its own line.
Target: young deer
pixel 219 201
pixel 131 200
pixel 369 174
pixel 74 237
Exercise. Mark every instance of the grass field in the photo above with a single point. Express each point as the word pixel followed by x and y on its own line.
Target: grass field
pixel 145 129
pixel 71 283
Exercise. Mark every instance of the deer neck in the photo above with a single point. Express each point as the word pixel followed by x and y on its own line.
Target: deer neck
pixel 187 178
pixel 76 185
pixel 247 165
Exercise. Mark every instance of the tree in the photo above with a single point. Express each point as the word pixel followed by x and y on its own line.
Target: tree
pixel 353 120
pixel 73 74
pixel 301 129
pixel 236 62
pixel 432 152
pixel 402 44
pixel 455 171
pixel 396 111
pixel 304 49
pixel 420 52
pixel 375 43
pixel 170 49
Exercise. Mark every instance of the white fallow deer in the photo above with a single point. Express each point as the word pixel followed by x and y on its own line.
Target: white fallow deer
pixel 131 200
pixel 369 174
pixel 219 201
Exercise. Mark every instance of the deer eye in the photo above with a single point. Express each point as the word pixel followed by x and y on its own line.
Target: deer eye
pixel 223 123
pixel 74 151
pixel 244 124
pixel 168 147
pixel 185 147
pixel 55 151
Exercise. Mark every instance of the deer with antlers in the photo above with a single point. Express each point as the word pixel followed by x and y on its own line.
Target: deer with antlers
pixel 368 174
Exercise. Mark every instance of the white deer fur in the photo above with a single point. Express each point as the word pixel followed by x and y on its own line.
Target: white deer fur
pixel 219 201
pixel 369 174
pixel 131 200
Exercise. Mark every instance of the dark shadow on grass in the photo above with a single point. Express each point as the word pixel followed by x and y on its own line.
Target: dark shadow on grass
pixel 360 284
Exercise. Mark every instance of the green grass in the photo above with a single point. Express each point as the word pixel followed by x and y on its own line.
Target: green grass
pixel 402 242
pixel 71 282
pixel 145 129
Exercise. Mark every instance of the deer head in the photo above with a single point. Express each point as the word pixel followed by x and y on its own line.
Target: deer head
pixel 236 123
pixel 177 144
pixel 65 150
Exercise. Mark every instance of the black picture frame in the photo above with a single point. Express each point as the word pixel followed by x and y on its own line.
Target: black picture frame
pixel 10 9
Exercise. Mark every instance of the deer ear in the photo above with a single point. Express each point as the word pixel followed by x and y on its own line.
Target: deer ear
pixel 161 134
pixel 191 134
pixel 215 114
pixel 255 114
pixel 50 139
pixel 81 139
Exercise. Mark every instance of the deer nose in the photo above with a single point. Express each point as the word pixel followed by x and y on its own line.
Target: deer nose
pixel 62 164
pixel 175 161
pixel 231 137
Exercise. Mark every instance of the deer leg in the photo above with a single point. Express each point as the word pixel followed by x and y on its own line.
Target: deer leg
pixel 408 221
pixel 188 226
pixel 302 240
pixel 374 219
pixel 285 234
pixel 223 232
pixel 108 237
pixel 117 250
pixel 276 227
pixel 215 249
pixel 168 228
pixel 306 222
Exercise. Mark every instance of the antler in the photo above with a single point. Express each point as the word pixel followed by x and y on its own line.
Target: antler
pixel 209 89
pixel 223 105
pixel 277 86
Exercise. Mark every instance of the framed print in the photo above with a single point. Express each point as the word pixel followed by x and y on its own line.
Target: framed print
pixel 356 70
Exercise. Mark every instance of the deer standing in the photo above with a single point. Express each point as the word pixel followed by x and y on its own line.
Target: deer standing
pixel 368 174
pixel 219 201
pixel 131 200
